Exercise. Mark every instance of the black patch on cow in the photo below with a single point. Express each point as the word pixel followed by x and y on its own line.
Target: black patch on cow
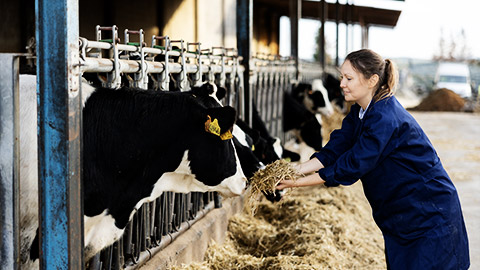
pixel 318 99
pixel 335 92
pixel 299 90
pixel 311 134
pixel 264 150
pixel 131 137
pixel 34 248
pixel 290 155
pixel 296 116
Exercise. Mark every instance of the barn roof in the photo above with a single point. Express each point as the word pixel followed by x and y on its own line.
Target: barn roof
pixel 350 13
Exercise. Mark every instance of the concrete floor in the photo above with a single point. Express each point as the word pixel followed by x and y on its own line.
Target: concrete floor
pixel 456 137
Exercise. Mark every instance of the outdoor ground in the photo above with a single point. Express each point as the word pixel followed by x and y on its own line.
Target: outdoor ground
pixel 456 137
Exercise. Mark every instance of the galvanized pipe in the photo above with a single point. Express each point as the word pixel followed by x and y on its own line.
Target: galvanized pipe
pixel 9 162
pixel 167 239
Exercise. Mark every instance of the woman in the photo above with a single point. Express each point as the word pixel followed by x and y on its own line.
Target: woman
pixel 414 202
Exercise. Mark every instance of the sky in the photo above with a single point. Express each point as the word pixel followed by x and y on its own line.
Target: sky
pixel 421 25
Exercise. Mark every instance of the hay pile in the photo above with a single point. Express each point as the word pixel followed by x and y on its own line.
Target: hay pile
pixel 314 228
pixel 441 100
pixel 265 181
pixel 332 122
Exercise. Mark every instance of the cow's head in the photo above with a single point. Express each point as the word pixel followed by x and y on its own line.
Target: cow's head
pixel 314 96
pixel 245 150
pixel 212 157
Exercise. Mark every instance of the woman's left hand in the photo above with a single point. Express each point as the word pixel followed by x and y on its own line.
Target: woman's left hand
pixel 309 180
pixel 286 184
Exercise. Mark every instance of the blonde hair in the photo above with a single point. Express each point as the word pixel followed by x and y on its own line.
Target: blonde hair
pixel 369 63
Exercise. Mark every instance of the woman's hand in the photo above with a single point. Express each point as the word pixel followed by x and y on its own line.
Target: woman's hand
pixel 309 180
pixel 286 184
pixel 309 166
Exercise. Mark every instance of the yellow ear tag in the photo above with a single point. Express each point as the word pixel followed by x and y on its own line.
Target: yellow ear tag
pixel 226 136
pixel 212 126
pixel 253 147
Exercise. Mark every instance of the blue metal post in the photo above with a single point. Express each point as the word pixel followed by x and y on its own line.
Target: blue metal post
pixel 9 162
pixel 59 115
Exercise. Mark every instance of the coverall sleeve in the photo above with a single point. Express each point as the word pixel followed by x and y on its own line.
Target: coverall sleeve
pixel 340 141
pixel 364 155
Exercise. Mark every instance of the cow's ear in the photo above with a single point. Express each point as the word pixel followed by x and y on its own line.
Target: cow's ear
pixel 208 88
pixel 221 93
pixel 225 116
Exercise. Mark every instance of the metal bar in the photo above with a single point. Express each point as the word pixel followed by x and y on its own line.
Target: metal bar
pixel 9 162
pixel 166 240
pixel 91 64
pixel 295 16
pixel 323 16
pixel 244 41
pixel 337 21
pixel 58 75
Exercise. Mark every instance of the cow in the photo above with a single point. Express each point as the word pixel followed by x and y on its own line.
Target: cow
pixel 253 150
pixel 307 125
pixel 138 144
pixel 335 92
pixel 313 96
pixel 209 95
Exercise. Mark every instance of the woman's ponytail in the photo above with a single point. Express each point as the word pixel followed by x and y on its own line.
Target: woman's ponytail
pixel 388 81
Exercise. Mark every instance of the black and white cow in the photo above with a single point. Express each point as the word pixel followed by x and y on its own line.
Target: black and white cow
pixel 313 96
pixel 138 144
pixel 307 125
pixel 209 95
pixel 254 150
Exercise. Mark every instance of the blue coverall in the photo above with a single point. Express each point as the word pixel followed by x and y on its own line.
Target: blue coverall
pixel 414 202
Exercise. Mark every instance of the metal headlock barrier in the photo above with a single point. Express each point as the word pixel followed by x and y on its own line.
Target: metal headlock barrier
pixel 156 224
pixel 164 64
pixel 273 76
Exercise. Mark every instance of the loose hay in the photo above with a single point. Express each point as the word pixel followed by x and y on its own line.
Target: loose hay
pixel 265 181
pixel 332 122
pixel 315 228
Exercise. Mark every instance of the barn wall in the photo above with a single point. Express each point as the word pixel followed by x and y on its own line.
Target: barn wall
pixel 17 21
pixel 122 13
pixel 212 22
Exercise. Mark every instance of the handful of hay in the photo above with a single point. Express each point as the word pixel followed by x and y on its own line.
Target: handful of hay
pixel 265 181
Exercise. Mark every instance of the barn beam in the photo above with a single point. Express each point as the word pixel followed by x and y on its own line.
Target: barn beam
pixel 59 153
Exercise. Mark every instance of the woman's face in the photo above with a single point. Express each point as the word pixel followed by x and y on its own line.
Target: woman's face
pixel 355 87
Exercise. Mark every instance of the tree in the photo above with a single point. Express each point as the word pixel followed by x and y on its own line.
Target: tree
pixel 456 50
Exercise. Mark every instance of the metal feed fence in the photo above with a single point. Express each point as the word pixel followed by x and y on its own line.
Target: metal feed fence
pixel 160 66
pixel 272 77
pixel 175 63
